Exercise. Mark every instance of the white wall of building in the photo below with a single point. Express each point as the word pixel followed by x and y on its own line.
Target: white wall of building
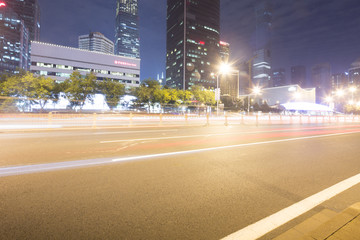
pixel 58 62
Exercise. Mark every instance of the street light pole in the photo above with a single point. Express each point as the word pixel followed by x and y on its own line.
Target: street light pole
pixel 217 95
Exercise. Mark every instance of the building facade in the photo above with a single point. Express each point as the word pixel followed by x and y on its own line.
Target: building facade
pixel 58 62
pixel 127 39
pixel 285 94
pixel 192 43
pixel 97 42
pixel 29 12
pixel 321 80
pixel 279 77
pixel 224 51
pixel 298 75
pixel 14 41
pixel 354 76
pixel 339 81
pixel 261 70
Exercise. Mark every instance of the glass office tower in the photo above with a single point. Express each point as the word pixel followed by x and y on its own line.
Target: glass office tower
pixel 127 40
pixel 14 41
pixel 29 12
pixel 261 73
pixel 193 28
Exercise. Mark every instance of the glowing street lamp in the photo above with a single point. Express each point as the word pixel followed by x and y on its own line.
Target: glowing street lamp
pixel 329 99
pixel 255 91
pixel 340 93
pixel 352 90
pixel 223 70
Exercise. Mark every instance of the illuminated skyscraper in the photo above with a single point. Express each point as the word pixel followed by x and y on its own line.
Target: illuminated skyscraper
pixel 29 12
pixel 127 40
pixel 14 41
pixel 224 51
pixel 193 28
pixel 261 74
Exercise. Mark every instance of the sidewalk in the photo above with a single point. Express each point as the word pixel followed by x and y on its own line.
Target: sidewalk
pixel 328 225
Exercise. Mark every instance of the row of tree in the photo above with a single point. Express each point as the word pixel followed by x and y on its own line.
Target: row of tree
pixel 25 89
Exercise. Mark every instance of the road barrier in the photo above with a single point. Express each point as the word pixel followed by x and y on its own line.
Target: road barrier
pixel 96 120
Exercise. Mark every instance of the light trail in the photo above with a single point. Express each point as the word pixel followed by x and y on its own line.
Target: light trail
pixel 26 169
pixel 125 132
pixel 214 134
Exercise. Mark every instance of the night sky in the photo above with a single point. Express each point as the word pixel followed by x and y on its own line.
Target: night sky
pixel 305 32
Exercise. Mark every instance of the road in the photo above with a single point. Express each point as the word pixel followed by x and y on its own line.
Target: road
pixel 167 182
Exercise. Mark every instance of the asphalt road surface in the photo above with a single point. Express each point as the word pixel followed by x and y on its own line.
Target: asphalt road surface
pixel 166 182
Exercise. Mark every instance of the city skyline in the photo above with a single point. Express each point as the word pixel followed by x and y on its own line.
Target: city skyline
pixel 305 33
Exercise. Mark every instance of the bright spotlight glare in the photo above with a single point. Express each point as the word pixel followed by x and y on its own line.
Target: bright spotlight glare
pixel 340 93
pixel 256 90
pixel 352 89
pixel 225 68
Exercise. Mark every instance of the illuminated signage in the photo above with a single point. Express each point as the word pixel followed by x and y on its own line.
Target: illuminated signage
pixel 202 43
pixel 125 63
pixel 2 4
pixel 224 43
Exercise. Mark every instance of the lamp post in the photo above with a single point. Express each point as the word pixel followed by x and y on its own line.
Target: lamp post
pixel 255 91
pixel 224 69
pixel 352 90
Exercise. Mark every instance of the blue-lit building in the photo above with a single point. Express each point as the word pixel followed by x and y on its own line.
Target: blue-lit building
pixel 279 77
pixel 261 71
pixel 14 41
pixel 127 40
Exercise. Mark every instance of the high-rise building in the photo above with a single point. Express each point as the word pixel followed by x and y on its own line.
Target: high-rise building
pixel 29 11
pixel 354 73
pixel 224 51
pixel 97 42
pixel 192 44
pixel 298 75
pixel 14 41
pixel 339 81
pixel 321 80
pixel 279 77
pixel 127 40
pixel 261 71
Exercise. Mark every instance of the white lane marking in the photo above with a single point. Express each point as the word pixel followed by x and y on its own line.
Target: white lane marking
pixel 228 147
pixel 19 170
pixel 274 221
pixel 149 131
pixel 201 135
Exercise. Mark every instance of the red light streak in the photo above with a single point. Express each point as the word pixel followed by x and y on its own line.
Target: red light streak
pixel 2 4
pixel 202 43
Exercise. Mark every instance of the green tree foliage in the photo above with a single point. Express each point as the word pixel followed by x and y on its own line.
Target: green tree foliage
pixel 30 89
pixel 149 92
pixel 203 96
pixel 79 89
pixel 112 91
